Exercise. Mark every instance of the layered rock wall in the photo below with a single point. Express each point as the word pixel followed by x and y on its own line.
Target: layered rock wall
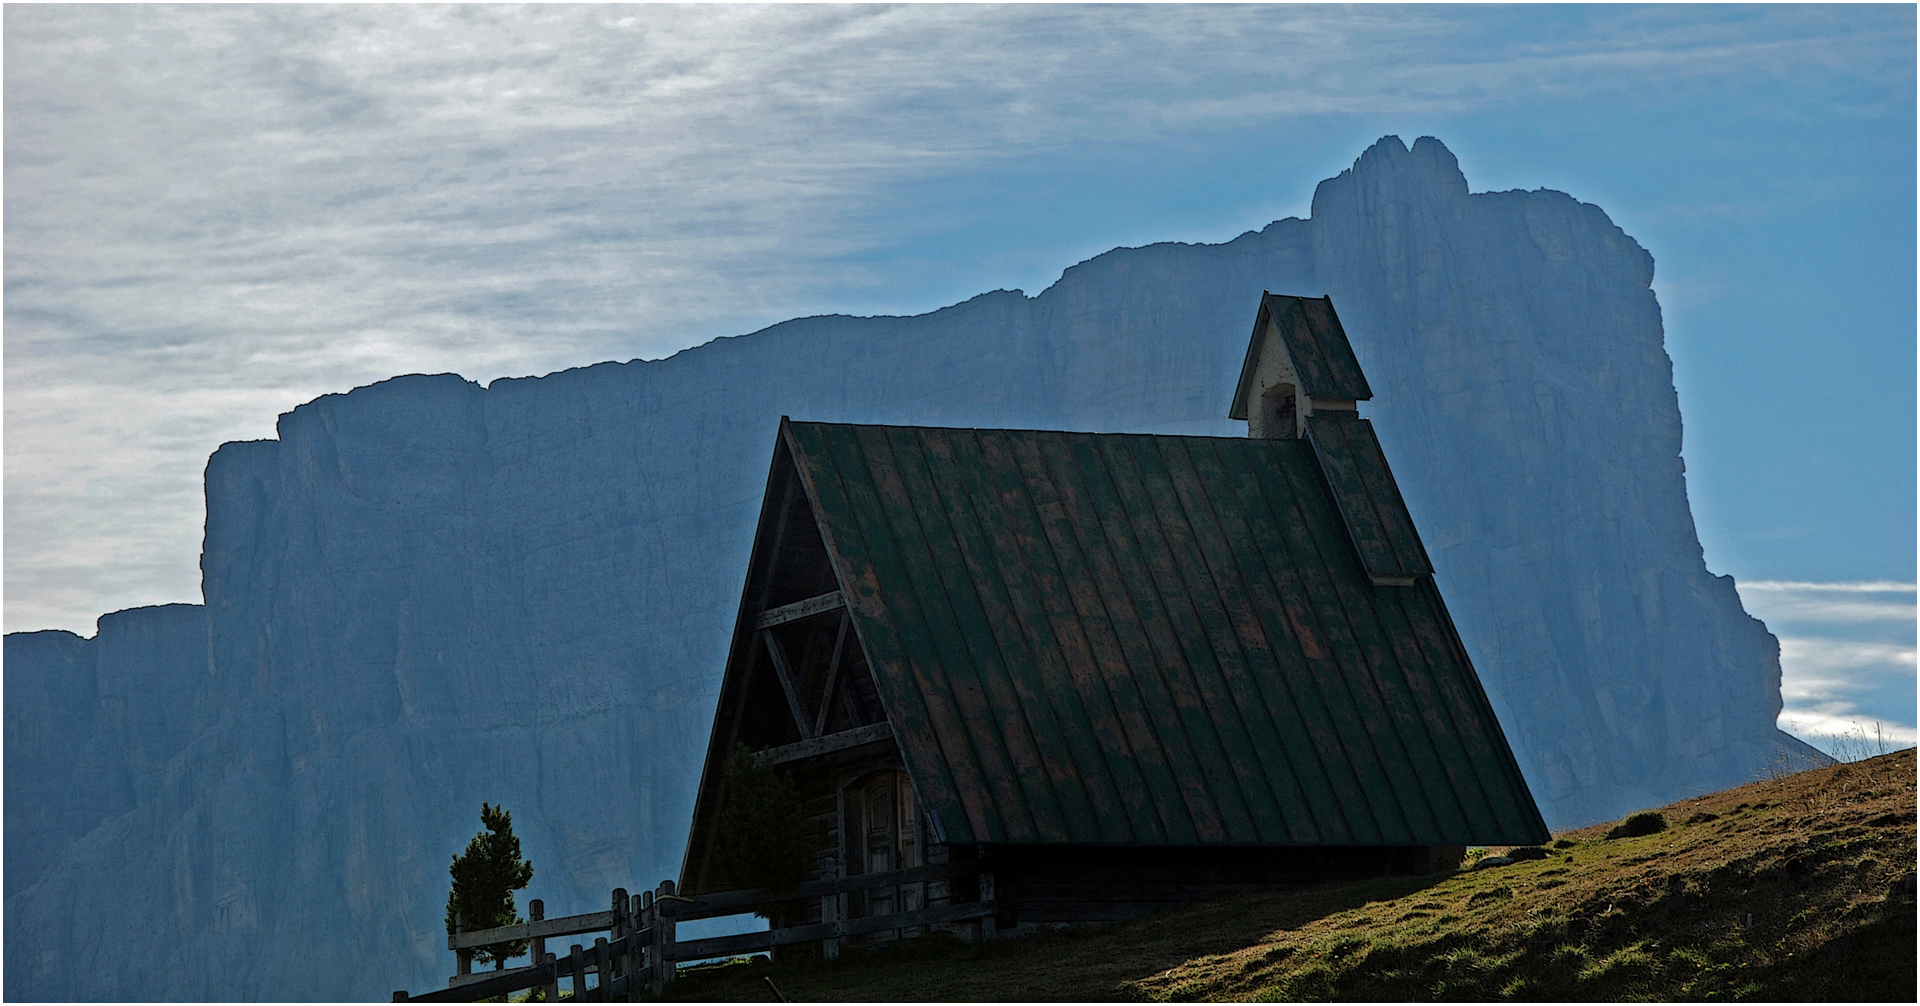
pixel 425 594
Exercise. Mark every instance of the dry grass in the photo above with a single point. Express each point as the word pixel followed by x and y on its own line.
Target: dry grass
pixel 1795 888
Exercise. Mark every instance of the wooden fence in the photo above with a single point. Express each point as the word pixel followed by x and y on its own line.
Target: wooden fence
pixel 640 951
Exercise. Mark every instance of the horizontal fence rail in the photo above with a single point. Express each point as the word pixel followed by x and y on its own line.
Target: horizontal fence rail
pixel 709 906
pixel 641 951
pixel 727 946
pixel 566 925
pixel 486 976
pixel 581 962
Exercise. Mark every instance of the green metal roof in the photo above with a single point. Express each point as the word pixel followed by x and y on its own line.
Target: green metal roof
pixel 1130 639
pixel 1376 517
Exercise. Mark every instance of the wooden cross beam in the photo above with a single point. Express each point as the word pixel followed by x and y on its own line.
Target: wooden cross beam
pixel 798 610
pixel 830 743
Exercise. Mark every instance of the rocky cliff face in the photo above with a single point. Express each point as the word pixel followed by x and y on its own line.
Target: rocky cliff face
pixel 426 594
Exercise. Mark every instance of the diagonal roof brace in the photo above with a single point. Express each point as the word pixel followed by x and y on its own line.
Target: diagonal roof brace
pixel 784 671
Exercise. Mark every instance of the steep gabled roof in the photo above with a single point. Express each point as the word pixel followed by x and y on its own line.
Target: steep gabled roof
pixel 1126 639
pixel 1316 344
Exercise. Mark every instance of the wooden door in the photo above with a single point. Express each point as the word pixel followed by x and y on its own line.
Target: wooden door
pixel 883 831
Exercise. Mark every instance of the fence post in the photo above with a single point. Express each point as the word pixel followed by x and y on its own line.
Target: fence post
pixel 989 925
pixel 830 912
pixel 577 964
pixel 603 964
pixel 636 958
pixel 646 955
pixel 643 911
pixel 462 957
pixel 663 934
pixel 622 930
pixel 537 952
pixel 537 949
pixel 614 933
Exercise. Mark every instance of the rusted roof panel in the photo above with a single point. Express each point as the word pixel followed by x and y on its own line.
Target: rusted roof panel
pixel 1370 503
pixel 1319 347
pixel 1126 639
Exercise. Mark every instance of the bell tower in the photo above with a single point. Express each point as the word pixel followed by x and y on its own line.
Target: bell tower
pixel 1301 381
pixel 1298 363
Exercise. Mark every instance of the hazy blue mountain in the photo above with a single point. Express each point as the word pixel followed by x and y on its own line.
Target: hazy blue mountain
pixel 426 593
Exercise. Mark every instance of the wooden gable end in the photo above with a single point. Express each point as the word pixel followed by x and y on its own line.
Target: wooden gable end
pixel 797 685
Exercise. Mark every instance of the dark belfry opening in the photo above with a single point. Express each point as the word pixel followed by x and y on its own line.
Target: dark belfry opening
pixel 1283 408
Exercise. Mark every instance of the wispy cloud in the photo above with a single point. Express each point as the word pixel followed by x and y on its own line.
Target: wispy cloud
pixel 1826 671
pixel 1830 731
pixel 1839 587
pixel 215 212
pixel 1848 665
pixel 1829 612
pixel 1838 603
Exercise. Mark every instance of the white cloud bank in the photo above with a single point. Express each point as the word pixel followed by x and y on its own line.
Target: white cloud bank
pixel 214 213
pixel 1846 667
pixel 1784 601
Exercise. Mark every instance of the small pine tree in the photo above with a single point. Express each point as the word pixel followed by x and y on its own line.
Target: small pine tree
pixel 762 838
pixel 484 879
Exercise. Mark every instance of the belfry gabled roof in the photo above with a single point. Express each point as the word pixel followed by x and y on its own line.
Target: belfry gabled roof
pixel 1124 639
pixel 1315 342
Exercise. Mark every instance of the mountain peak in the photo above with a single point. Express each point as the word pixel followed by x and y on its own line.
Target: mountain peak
pixel 1388 171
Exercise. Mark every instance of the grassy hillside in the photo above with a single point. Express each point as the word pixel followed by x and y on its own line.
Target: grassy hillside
pixel 1797 888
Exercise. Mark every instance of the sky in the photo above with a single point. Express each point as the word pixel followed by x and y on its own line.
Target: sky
pixel 214 214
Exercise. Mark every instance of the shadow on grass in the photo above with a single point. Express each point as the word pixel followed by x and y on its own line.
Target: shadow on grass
pixel 1873 963
pixel 1050 965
